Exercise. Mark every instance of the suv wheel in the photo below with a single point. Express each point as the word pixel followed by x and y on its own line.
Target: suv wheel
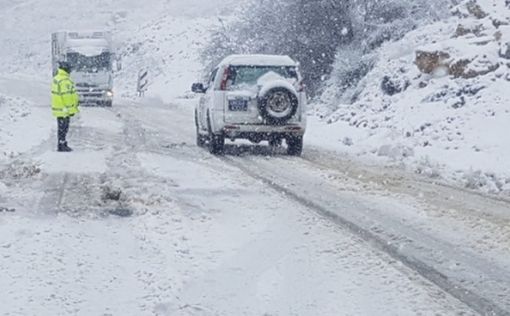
pixel 216 142
pixel 201 140
pixel 278 105
pixel 295 145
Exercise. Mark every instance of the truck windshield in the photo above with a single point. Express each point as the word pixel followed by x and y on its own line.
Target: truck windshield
pixel 84 63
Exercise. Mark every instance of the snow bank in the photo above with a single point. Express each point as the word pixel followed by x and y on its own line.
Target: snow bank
pixel 22 126
pixel 75 162
pixel 437 101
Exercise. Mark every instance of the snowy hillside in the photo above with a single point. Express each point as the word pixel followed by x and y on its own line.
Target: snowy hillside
pixel 437 101
pixel 27 48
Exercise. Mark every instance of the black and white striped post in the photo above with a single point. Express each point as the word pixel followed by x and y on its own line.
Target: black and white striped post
pixel 143 82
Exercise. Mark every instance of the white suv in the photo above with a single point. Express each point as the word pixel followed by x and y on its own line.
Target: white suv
pixel 254 97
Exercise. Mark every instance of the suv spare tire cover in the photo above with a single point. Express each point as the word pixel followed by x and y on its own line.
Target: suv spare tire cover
pixel 278 105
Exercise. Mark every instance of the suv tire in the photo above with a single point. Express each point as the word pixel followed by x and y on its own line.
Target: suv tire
pixel 295 145
pixel 216 142
pixel 278 105
pixel 201 140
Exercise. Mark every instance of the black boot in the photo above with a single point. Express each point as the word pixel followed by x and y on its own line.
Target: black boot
pixel 67 148
pixel 62 147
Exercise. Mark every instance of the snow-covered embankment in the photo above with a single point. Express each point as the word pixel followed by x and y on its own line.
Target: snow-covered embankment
pixel 437 102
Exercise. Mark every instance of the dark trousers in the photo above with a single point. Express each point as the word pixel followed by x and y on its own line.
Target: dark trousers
pixel 63 128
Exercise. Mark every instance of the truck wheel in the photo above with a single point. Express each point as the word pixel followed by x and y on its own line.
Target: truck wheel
pixel 295 145
pixel 216 142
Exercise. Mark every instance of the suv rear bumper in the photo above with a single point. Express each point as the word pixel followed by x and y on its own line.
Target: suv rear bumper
pixel 264 132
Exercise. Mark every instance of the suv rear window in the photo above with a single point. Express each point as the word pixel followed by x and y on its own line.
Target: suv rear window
pixel 249 75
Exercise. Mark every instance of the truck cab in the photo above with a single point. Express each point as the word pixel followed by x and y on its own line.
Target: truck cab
pixel 92 58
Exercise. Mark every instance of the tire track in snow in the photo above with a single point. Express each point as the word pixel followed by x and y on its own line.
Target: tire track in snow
pixel 479 303
pixel 406 183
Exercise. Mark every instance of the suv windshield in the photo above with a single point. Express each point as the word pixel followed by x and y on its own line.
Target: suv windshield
pixel 249 75
pixel 84 63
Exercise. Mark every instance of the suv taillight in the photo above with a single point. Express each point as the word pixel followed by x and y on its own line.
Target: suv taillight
pixel 224 79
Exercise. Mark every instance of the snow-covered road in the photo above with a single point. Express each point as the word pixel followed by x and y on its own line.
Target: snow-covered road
pixel 140 221
pixel 252 233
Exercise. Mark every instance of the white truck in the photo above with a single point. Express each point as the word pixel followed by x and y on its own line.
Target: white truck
pixel 92 57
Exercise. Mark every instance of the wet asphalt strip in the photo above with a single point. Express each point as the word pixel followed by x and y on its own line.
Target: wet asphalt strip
pixel 475 301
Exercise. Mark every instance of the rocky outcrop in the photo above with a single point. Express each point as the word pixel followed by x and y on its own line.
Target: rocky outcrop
pixel 432 62
pixel 429 62
pixel 479 46
pixel 476 10
pixel 394 85
pixel 463 30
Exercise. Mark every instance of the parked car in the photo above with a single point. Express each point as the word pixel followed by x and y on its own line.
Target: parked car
pixel 254 97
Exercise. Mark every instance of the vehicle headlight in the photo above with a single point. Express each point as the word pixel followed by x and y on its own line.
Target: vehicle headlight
pixel 109 94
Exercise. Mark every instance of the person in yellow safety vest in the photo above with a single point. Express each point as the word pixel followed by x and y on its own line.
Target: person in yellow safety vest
pixel 64 103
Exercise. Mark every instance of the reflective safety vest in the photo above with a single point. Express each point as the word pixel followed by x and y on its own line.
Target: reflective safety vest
pixel 64 98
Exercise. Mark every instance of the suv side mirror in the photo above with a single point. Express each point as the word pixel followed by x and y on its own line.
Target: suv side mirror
pixel 198 88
